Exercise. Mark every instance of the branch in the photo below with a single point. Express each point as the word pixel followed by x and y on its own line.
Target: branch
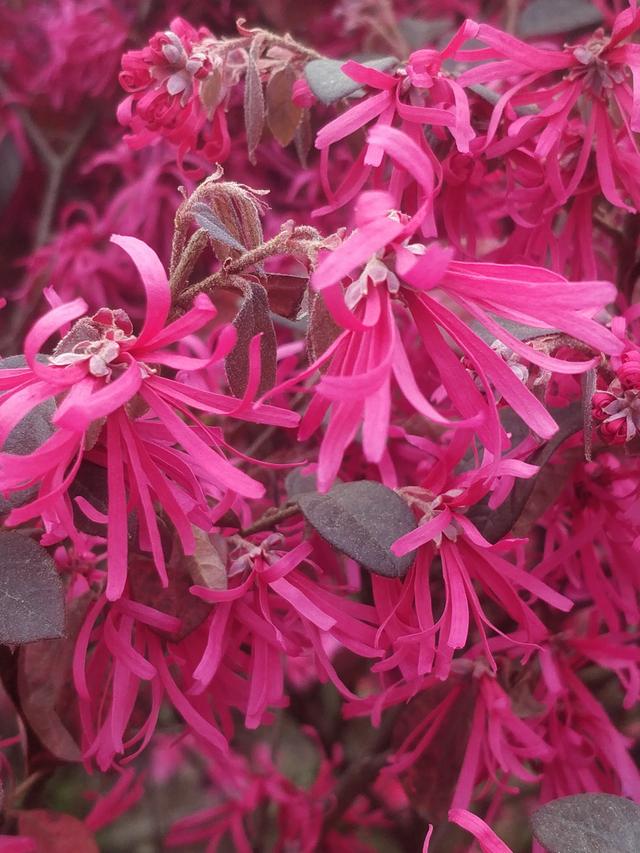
pixel 271 517
pixel 362 772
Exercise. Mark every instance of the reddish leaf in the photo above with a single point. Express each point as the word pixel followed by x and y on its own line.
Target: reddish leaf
pixel 210 91
pixel 253 103
pixel 252 318
pixel 45 686
pixel 430 782
pixel 175 600
pixel 54 832
pixel 283 116
pixel 321 330
pixel 362 519
pixel 208 564
pixel 303 138
pixel 285 293
pixel 31 596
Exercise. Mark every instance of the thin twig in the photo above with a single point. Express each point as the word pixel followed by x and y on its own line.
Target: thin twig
pixel 54 161
pixel 273 516
pixel 512 12
pixel 362 772
pixel 284 243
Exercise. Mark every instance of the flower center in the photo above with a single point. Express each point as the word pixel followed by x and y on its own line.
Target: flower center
pixel 596 72
pixel 97 340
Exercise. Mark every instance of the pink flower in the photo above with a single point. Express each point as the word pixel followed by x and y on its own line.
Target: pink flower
pixel 593 537
pixel 392 271
pixel 53 50
pixel 595 73
pixel 484 835
pixel 168 97
pixel 120 648
pixel 417 96
pixel 467 559
pixel 278 612
pixel 589 753
pixel 110 392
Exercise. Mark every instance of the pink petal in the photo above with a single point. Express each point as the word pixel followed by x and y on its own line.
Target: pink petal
pixel 155 284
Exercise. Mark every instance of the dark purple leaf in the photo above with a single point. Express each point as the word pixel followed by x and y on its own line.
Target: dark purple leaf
pixel 553 17
pixel 362 519
pixel 252 318
pixel 322 330
pixel 492 97
pixel 253 105
pixel 303 138
pixel 31 595
pixel 329 83
pixel 431 780
pixel 588 823
pixel 46 690
pixel 420 33
pixel 518 330
pixel 283 116
pixel 90 483
pixel 175 600
pixel 297 483
pixel 55 832
pixel 496 523
pixel 285 293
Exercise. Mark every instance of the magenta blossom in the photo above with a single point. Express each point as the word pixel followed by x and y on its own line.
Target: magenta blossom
pixel 167 97
pixel 115 409
pixel 395 271
pixel 591 87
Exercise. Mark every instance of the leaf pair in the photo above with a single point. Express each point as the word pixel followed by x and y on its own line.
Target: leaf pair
pixel 276 105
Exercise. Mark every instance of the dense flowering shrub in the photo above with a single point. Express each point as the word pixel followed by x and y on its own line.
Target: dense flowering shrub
pixel 319 425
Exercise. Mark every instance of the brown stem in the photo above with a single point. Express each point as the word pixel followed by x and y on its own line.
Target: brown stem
pixel 362 772
pixel 55 164
pixel 512 12
pixel 272 516
pixel 54 161
pixel 270 40
pixel 283 243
